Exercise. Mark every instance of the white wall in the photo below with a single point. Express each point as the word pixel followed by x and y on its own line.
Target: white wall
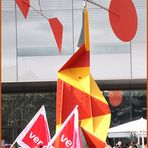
pixel 29 51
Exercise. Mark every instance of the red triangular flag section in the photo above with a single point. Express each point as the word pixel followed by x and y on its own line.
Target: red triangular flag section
pixel 57 29
pixel 69 134
pixel 24 6
pixel 36 133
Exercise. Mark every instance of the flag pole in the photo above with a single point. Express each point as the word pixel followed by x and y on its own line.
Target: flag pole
pixel 13 144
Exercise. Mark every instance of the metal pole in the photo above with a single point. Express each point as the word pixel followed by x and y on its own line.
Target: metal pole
pixel 38 11
pixel 138 137
pixel 93 2
pixel 142 139
pixel 84 3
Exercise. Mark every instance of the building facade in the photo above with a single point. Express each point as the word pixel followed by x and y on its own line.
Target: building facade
pixel 30 61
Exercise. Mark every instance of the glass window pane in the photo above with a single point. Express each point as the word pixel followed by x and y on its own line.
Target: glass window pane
pixel 35 37
pixel 8 41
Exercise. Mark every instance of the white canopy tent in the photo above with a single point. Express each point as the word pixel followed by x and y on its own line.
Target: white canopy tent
pixel 138 127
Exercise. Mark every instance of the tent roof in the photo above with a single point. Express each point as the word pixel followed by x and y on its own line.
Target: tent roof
pixel 133 126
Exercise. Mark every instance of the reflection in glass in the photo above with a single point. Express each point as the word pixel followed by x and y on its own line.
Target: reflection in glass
pixel 132 107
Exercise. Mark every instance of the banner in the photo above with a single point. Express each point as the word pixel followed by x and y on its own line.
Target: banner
pixel 36 133
pixel 68 135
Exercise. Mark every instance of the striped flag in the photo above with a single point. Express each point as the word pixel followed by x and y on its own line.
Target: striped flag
pixel 76 86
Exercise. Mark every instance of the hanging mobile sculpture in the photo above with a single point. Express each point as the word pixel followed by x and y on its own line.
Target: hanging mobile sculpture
pixel 56 25
pixel 75 85
pixel 122 16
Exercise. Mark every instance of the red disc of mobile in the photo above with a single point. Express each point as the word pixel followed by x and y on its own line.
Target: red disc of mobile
pixel 123 19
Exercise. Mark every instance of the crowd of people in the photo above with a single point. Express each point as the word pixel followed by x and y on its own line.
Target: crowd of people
pixel 131 145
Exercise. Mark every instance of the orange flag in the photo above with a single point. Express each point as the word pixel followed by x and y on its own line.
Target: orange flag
pixel 76 86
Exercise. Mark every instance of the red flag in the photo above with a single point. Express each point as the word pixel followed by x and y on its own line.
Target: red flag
pixel 69 135
pixel 57 29
pixel 23 6
pixel 36 133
